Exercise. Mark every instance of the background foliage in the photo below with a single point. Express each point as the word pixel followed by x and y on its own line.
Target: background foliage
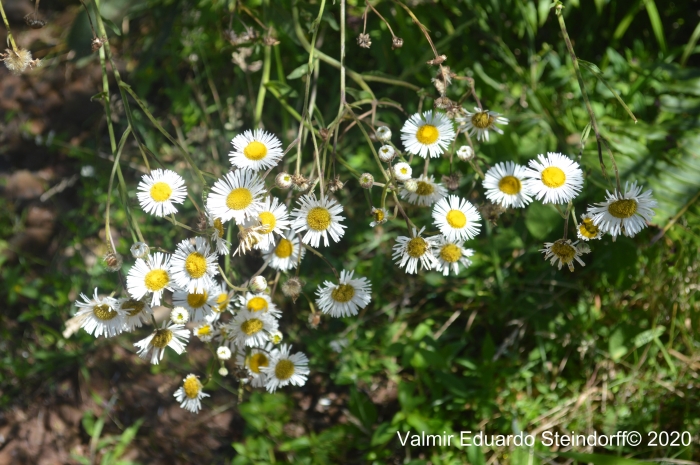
pixel 511 344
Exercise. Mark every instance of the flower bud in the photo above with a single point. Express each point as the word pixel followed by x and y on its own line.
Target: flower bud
pixel 383 134
pixel 366 180
pixel 465 153
pixel 411 185
pixel 223 371
pixel 275 336
pixel 113 261
pixel 283 180
pixel 179 315
pixel 402 171
pixel 224 353
pixel 257 284
pixel 140 250
pixel 386 153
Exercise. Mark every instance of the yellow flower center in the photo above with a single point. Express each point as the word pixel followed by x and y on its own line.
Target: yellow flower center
pixel 133 307
pixel 276 338
pixel 404 170
pixel 456 219
pixel 197 300
pixel 160 192
pixel 239 199
pixel 268 220
pixel 256 304
pixel 378 215
pixel 284 248
pixel 451 253
pixel 343 293
pixel 104 312
pixel 156 280
pixel 624 208
pixel 252 326
pixel 427 134
pixel 510 185
pixel 564 251
pixel 162 338
pixel 284 369
pixel 192 386
pixel 553 177
pixel 219 227
pixel 424 188
pixel 256 361
pixel 588 229
pixel 255 151
pixel 221 303
pixel 196 264
pixel 204 331
pixel 482 120
pixel 416 247
pixel 318 219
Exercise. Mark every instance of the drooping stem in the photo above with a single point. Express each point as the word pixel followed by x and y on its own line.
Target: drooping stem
pixel 9 32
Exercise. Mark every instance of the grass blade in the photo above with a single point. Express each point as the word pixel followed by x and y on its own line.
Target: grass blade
pixel 597 73
pixel 690 45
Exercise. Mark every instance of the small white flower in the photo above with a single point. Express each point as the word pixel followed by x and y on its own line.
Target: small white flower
pixel 258 359
pixel 159 190
pixel 192 266
pixel 380 216
pixel 251 328
pixel 427 134
pixel 258 303
pixel 223 301
pixel 205 332
pixel 286 254
pixel 275 336
pixel 150 275
pixel 217 236
pixel 346 297
pixel 101 315
pixel 223 353
pixel 562 251
pixel 427 192
pixel 465 153
pixel 505 185
pixel 273 218
pixel 256 150
pixel 554 179
pixel 173 335
pixel 258 284
pixel 190 394
pixel 180 315
pixel 402 171
pixel 456 218
pixel 339 344
pixel 450 254
pixel 199 306
pixel 286 369
pixel 383 134
pixel 624 213
pixel 386 153
pixel 587 230
pixel 319 218
pixel 481 122
pixel 236 196
pixel 137 312
pixel 410 252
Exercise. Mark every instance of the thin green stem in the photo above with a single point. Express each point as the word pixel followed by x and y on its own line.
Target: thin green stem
pixel 9 32
pixel 260 101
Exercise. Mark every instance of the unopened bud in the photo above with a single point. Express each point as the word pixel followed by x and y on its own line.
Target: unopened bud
pixel 224 353
pixel 386 153
pixel 465 153
pixel 396 42
pixel 113 261
pixel 411 185
pixel 140 250
pixel 364 41
pixel 283 180
pixel 383 134
pixel 257 284
pixel 314 320
pixel 223 371
pixel 402 171
pixel 275 336
pixel 335 185
pixel 366 180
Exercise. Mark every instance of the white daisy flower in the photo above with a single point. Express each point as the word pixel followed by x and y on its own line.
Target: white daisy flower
pixel 587 230
pixel 273 218
pixel 427 134
pixel 150 275
pixel 137 312
pixel 254 362
pixel 626 213
pixel 180 315
pixel 236 196
pixel 505 185
pixel 251 328
pixel 159 190
pixel 380 216
pixel 456 218
pixel 383 134
pixel 562 251
pixel 286 254
pixel 318 218
pixel 410 252
pixel 402 171
pixel 427 192
pixel 275 336
pixel 223 301
pixel 192 266
pixel 100 315
pixel 450 254
pixel 170 335
pixel 199 306
pixel 205 331
pixel 190 394
pixel 223 353
pixel 256 150
pixel 554 179
pixel 217 236
pixel 481 122
pixel 286 369
pixel 346 297
pixel 258 303
pixel 386 153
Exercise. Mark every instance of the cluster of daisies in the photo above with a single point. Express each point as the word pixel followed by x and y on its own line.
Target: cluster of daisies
pixel 552 179
pixel 241 324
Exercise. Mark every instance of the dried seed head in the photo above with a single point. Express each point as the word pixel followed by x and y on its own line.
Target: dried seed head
pixel 491 212
pixel 366 180
pixel 411 185
pixel 451 181
pixel 292 288
pixel 439 85
pixel 97 43
pixel 438 60
pixel 443 103
pixel 396 42
pixel 113 261
pixel 324 133
pixel 314 320
pixel 335 185
pixel 364 41
pixel 20 61
pixel 303 187
pixel 257 284
pixel 202 222
pixel 248 237
pixel 269 40
pixel 140 250
pixel 283 180
pixel 299 179
pixel 33 22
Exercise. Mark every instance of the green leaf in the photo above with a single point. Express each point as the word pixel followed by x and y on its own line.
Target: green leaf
pixel 361 406
pixel 616 345
pixel 690 46
pixel 656 24
pixel 299 72
pixel 541 220
pixel 645 337
pixel 116 29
